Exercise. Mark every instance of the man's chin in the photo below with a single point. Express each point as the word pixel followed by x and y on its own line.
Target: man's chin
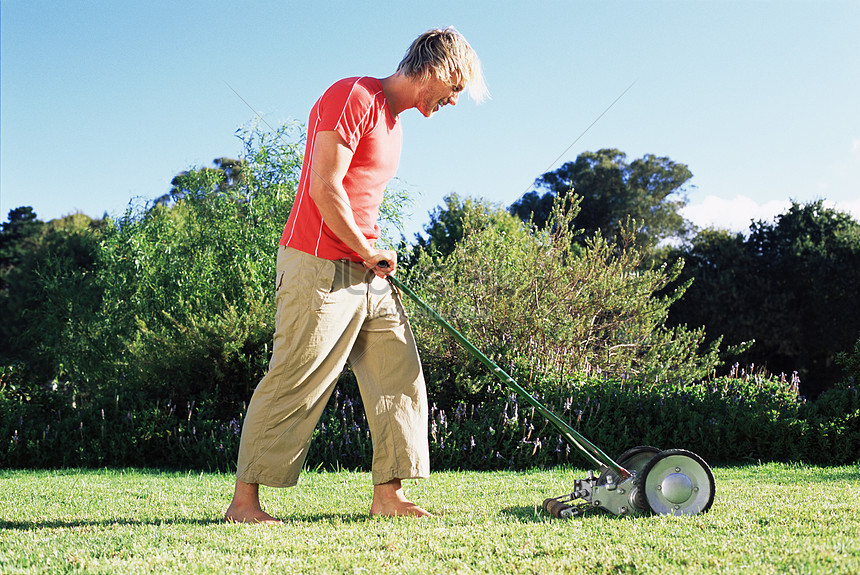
pixel 431 111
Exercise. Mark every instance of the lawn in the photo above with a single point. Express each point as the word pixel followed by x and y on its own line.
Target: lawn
pixel 769 518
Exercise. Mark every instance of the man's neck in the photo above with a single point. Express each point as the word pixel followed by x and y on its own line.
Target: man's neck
pixel 400 92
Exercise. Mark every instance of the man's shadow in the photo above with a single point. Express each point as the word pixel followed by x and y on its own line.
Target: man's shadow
pixel 72 523
pixel 75 523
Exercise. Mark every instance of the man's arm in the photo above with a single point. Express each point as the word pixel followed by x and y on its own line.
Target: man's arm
pixel 331 161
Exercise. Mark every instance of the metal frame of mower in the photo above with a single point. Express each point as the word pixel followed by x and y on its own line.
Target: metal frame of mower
pixel 643 480
pixel 670 482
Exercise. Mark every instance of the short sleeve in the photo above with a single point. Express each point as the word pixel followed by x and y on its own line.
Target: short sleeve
pixel 346 108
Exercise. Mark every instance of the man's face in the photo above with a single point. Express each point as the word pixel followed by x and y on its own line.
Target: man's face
pixel 435 93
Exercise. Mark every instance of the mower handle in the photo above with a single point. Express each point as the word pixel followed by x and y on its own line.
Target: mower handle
pixel 570 434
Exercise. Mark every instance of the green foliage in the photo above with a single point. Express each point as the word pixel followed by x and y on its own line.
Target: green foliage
pixel 51 427
pixel 850 363
pixel 831 425
pixel 227 174
pixel 746 417
pixel 537 302
pixel 138 340
pixel 791 286
pixel 723 420
pixel 188 311
pixel 49 292
pixel 649 190
pixel 447 225
pixel 171 301
pixel 396 203
pixel 18 236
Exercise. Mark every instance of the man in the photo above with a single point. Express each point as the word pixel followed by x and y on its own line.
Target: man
pixel 333 302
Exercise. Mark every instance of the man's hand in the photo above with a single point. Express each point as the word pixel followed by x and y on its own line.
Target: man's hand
pixel 387 257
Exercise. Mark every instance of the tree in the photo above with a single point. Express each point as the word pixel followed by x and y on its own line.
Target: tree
pixel 791 286
pixel 447 224
pixel 227 173
pixel 18 236
pixel 49 287
pixel 649 190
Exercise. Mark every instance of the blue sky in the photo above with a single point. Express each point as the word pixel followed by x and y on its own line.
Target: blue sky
pixel 102 102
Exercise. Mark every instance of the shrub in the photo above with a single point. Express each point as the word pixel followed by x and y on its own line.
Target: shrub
pixel 744 418
pixel 169 309
pixel 850 363
pixel 545 308
pixel 832 424
pixel 726 420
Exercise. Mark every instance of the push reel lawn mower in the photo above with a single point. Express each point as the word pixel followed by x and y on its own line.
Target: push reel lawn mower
pixel 644 480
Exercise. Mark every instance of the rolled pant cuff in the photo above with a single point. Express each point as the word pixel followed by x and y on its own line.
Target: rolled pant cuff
pixel 268 482
pixel 379 478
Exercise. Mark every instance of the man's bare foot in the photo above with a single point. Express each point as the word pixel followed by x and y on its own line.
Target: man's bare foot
pixel 235 515
pixel 245 507
pixel 390 501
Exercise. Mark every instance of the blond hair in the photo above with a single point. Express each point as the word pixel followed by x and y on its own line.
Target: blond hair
pixel 444 53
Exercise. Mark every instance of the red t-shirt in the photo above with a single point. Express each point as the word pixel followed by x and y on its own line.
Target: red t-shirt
pixel 356 109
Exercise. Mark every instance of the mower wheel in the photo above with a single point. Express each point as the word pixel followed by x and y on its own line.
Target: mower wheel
pixel 677 482
pixel 635 458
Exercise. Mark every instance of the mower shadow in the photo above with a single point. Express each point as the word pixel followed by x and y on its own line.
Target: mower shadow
pixel 526 514
pixel 530 514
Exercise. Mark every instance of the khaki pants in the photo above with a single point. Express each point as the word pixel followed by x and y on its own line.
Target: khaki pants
pixel 329 312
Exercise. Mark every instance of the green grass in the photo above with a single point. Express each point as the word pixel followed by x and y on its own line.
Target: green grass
pixel 766 519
